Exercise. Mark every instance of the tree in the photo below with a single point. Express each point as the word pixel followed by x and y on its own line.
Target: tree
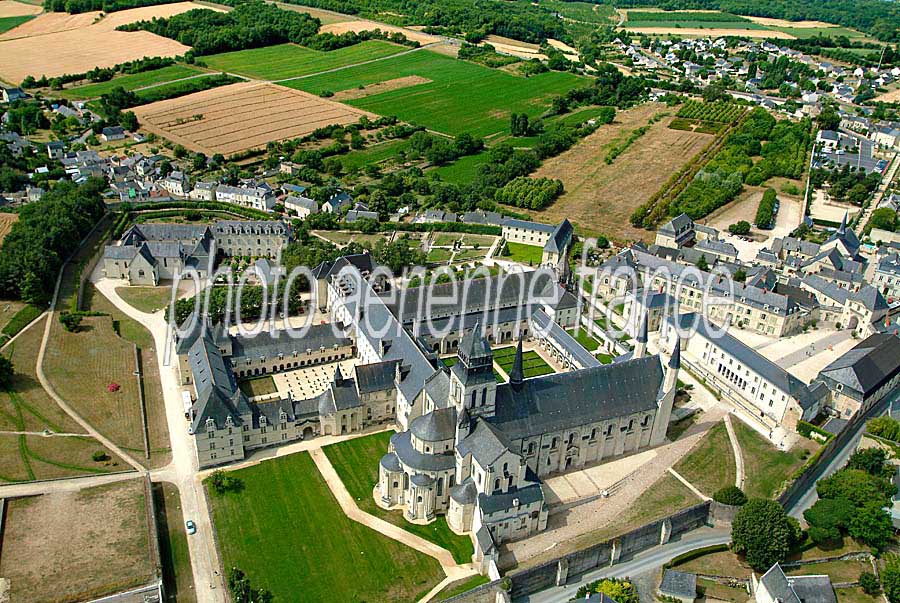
pixel 871 460
pixel 621 591
pixel 70 322
pixel 702 264
pixel 730 495
pixel 763 533
pixel 129 121
pixel 242 591
pixel 6 373
pixel 222 482
pixel 869 583
pixel 828 118
pixel 883 218
pixel 857 486
pixel 872 524
pixel 827 518
pixel 740 228
pixel 890 579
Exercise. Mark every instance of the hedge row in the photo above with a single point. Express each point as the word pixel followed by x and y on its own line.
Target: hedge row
pixel 691 555
pixel 807 429
pixel 765 212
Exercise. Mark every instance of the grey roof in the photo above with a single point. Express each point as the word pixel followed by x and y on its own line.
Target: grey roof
pixel 165 232
pixel 375 377
pixel 275 227
pixel 560 238
pixel 677 225
pixel 867 366
pixel 797 589
pixel 871 298
pixel 304 202
pixel 527 225
pixel 119 252
pixel 492 503
pixel 360 261
pixel 218 396
pixel 562 338
pixel 474 344
pixel 391 463
pixel 415 460
pixel 268 344
pixel 353 215
pixel 678 584
pixel 720 247
pixel 752 359
pixel 340 395
pixel 485 443
pixel 564 400
pixel 165 249
pixel 436 426
pixel 484 539
pixel 465 493
pixel 827 288
pixel 422 480
pixel 792 245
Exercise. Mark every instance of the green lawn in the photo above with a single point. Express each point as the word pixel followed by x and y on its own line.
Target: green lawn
pixel 377 153
pixel 146 299
pixel 289 60
pixel 438 256
pixel 766 468
pixel 461 586
pixel 588 342
pixel 132 81
pixel 288 533
pixel 710 465
pixel 261 386
pixel 7 23
pixel 463 170
pixel 461 97
pixel 356 461
pixel 524 254
pixel 173 547
pixel 532 363
pixel 16 318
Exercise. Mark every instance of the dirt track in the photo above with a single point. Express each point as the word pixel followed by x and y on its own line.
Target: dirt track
pixel 242 116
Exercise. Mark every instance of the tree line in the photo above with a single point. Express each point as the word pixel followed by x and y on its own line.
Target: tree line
pixel 47 232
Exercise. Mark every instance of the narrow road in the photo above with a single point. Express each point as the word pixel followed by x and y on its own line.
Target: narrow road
pixel 879 195
pixel 64 485
pixel 640 563
pixel 738 453
pixel 182 471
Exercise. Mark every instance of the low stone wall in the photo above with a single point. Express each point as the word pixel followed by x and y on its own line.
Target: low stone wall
pixel 722 514
pixel 486 593
pixel 557 572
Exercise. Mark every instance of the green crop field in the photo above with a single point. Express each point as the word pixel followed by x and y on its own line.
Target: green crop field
pixel 288 60
pixel 286 531
pixel 587 12
pixel 460 97
pixel 463 169
pixel 132 81
pixel 7 23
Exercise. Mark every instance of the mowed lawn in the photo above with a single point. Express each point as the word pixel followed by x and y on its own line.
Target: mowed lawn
pixel 132 81
pixel 768 469
pixel 524 254
pixel 356 461
pixel 532 364
pixel 461 96
pixel 710 464
pixel 289 60
pixel 288 533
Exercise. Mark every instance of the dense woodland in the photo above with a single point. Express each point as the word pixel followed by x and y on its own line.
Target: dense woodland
pixel 107 6
pixel 45 234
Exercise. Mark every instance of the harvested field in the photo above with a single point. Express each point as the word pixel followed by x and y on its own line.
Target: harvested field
pixel 327 17
pixel 11 8
pixel 6 222
pixel 379 87
pixel 600 198
pixel 57 43
pixel 889 97
pixel 515 48
pixel 358 26
pixel 108 553
pixel 242 116
pixel 711 32
pixel 768 22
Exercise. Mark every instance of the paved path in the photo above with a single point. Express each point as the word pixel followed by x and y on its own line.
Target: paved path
pixel 807 352
pixel 738 453
pixel 182 470
pixel 64 485
pixel 689 485
pixel 25 328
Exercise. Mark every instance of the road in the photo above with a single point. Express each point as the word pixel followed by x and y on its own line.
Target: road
pixel 640 563
pixel 182 470
pixel 879 195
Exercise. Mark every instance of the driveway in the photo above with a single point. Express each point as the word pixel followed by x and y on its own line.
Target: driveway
pixel 182 470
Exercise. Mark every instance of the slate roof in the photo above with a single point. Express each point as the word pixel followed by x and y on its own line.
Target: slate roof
pixel 525 495
pixel 678 224
pixel 560 238
pixel 218 396
pixel 485 443
pixel 867 366
pixel 797 589
pixel 568 343
pixel 340 395
pixel 265 344
pixel 436 426
pixel 679 584
pixel 465 493
pixel 375 377
pixel 119 252
pixel 416 460
pixel 719 247
pixel 527 225
pixel 563 400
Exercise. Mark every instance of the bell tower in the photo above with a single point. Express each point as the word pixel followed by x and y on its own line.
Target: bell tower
pixel 472 383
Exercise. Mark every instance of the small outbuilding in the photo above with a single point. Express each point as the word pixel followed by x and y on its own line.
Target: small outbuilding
pixel 679 585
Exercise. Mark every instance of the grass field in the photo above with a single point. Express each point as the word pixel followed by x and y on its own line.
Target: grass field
pixel 178 576
pixel 377 153
pixel 462 170
pixel 532 364
pixel 107 553
pixel 131 81
pixel 530 255
pixel 710 464
pixel 766 468
pixel 261 386
pixel 588 342
pixel 12 323
pixel 356 462
pixel 461 586
pixel 289 60
pixel 288 533
pixel 586 12
pixel 146 299
pixel 7 23
pixel 460 96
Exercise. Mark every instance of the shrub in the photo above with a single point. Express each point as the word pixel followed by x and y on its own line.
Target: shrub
pixel 100 456
pixel 740 228
pixel 869 583
pixel 70 322
pixel 730 495
pixel 222 482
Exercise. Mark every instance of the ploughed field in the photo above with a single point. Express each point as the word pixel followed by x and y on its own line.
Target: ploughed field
pixel 243 116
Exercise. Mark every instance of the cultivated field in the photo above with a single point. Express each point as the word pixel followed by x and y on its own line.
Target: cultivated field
pixel 108 553
pixel 358 26
pixel 6 222
pixel 515 48
pixel 288 533
pixel 289 60
pixel 600 197
pixel 57 43
pixel 132 81
pixel 712 32
pixel 768 22
pixel 242 116
pixel 11 8
pixel 460 96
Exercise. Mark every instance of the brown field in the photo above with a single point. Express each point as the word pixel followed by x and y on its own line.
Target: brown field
pixel 600 198
pixel 11 8
pixel 712 32
pixel 242 116
pixel 515 48
pixel 6 222
pixel 325 16
pixel 358 26
pixel 57 43
pixel 379 87
pixel 783 23
pixel 889 97
pixel 109 551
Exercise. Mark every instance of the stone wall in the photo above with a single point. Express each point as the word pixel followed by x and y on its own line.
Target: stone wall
pixel 558 571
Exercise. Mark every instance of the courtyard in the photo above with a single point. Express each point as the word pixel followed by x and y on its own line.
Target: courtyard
pixel 309 382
